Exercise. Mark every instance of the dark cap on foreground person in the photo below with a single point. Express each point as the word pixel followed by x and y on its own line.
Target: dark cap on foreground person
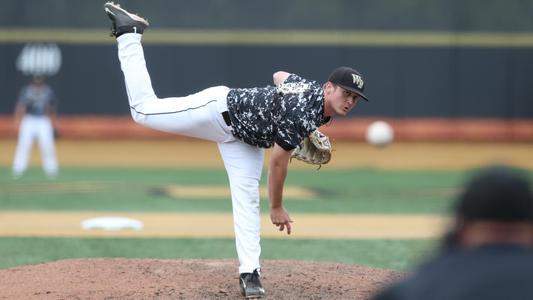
pixel 350 79
pixel 499 194
pixel 490 256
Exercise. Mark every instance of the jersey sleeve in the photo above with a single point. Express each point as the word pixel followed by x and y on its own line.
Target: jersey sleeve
pixel 293 78
pixel 53 98
pixel 23 96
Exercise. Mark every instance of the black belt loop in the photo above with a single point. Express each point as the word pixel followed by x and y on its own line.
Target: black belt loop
pixel 225 115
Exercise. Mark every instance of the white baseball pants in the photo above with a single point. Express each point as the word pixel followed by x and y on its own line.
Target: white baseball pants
pixel 31 128
pixel 199 115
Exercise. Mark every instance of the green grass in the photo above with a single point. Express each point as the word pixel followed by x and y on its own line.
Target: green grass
pixel 355 191
pixel 342 191
pixel 397 254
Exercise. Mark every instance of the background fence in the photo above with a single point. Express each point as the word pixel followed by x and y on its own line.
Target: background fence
pixel 422 59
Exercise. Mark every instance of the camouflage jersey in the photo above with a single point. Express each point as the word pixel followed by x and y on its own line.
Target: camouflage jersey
pixel 285 114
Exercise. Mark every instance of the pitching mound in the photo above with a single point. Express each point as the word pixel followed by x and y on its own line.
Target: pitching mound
pixel 186 279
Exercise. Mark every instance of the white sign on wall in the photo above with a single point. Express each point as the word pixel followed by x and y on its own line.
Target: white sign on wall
pixel 39 59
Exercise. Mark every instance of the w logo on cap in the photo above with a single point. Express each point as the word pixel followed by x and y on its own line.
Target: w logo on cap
pixel 349 79
pixel 357 80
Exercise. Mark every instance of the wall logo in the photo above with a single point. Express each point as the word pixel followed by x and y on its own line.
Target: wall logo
pixel 39 59
pixel 357 80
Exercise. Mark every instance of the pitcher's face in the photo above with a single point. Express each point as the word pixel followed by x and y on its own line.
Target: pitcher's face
pixel 338 100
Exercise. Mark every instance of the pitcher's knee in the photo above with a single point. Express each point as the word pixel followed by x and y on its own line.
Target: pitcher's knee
pixel 247 188
pixel 138 112
pixel 246 182
pixel 139 118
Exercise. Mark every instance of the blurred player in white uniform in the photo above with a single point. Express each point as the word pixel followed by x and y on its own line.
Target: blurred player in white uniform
pixel 34 112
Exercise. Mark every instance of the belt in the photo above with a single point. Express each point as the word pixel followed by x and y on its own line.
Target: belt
pixel 226 117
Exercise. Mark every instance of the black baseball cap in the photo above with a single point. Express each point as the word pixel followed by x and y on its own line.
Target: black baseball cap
pixel 497 193
pixel 349 79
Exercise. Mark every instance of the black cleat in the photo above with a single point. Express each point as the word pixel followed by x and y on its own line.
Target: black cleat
pixel 123 21
pixel 250 284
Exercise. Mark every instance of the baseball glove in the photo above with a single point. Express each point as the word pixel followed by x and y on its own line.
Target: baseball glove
pixel 315 149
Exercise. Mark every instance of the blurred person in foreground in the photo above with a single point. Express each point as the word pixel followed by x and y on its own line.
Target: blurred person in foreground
pixel 34 115
pixel 488 253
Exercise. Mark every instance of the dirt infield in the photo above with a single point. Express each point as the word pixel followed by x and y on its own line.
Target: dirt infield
pixel 187 279
pixel 347 129
pixel 220 225
pixel 180 153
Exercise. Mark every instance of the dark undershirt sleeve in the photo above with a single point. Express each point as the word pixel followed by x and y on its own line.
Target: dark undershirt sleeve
pixel 284 144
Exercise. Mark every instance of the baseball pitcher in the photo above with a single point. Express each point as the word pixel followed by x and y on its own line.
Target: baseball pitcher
pixel 243 122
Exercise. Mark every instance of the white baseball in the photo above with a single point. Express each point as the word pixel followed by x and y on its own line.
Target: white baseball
pixel 379 134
